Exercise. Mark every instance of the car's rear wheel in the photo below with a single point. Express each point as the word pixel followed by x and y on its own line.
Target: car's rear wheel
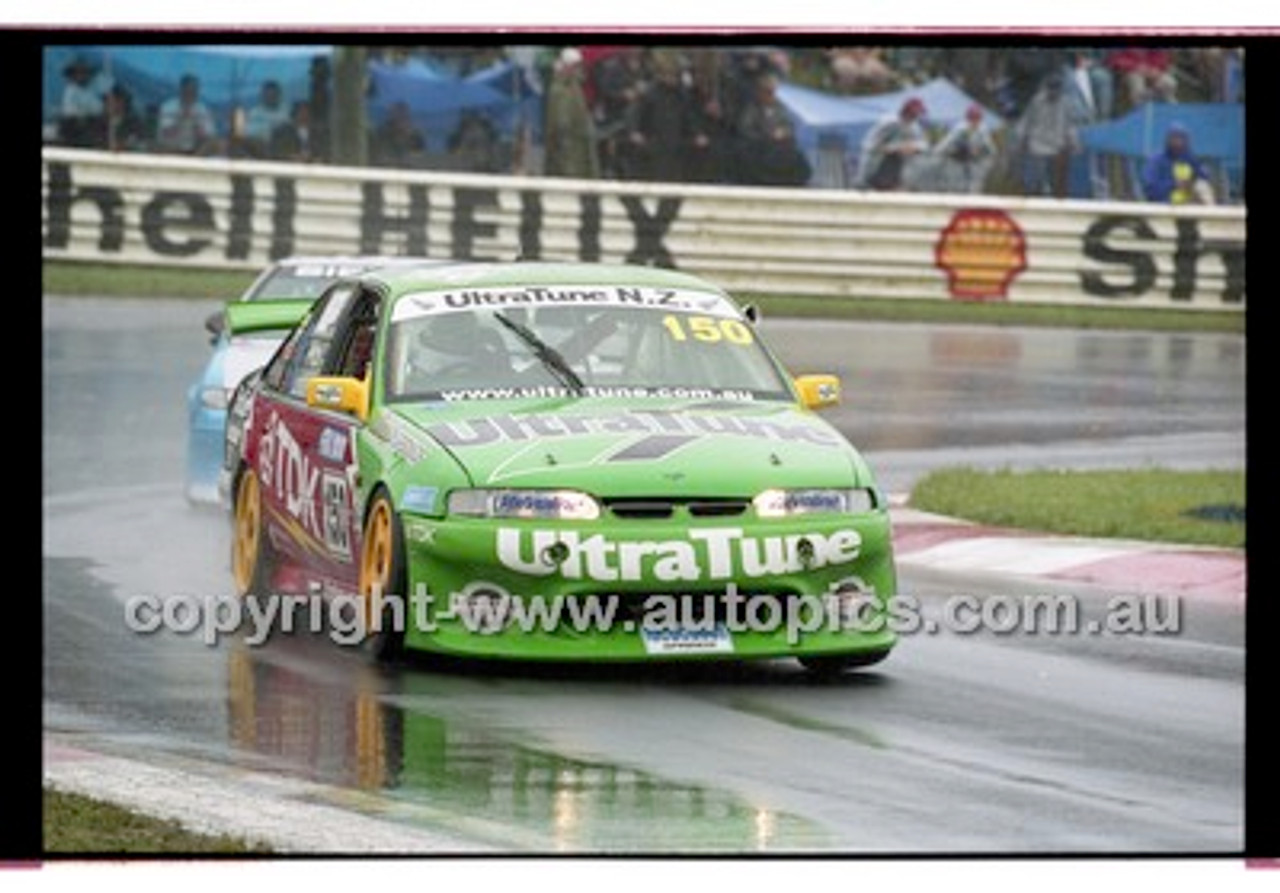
pixel 251 559
pixel 835 664
pixel 383 576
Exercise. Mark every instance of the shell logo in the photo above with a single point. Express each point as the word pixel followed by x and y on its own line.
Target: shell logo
pixel 981 250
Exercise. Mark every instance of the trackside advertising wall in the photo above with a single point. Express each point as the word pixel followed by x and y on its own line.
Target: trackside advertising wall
pixel 133 208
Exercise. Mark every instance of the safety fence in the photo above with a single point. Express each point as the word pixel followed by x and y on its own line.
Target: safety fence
pixel 217 213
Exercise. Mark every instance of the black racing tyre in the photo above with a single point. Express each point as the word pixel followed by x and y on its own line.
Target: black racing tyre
pixel 383 568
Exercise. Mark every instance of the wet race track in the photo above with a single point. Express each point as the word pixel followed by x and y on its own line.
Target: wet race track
pixel 957 744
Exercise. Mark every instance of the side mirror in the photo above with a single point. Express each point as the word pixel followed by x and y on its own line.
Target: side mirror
pixel 350 395
pixel 818 391
pixel 752 313
pixel 214 324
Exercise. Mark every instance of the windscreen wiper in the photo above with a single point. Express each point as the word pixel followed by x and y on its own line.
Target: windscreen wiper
pixel 546 354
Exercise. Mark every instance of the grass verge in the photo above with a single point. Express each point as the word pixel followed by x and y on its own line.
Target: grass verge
pixel 69 278
pixel 81 825
pixel 118 280
pixel 1157 505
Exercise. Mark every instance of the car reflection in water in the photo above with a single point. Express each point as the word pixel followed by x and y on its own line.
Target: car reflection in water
pixel 439 771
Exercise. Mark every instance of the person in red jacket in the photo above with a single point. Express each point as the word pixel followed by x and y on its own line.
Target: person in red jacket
pixel 1145 74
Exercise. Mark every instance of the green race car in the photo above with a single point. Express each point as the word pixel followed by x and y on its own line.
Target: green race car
pixel 553 461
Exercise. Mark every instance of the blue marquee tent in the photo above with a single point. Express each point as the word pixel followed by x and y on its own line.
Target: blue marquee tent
pixel 1216 131
pixel 817 114
pixel 437 99
pixel 230 76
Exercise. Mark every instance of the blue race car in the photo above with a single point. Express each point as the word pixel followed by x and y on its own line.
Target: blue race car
pixel 292 278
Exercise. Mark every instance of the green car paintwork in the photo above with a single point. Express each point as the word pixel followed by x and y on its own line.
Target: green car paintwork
pixel 675 476
pixel 785 447
pixel 262 316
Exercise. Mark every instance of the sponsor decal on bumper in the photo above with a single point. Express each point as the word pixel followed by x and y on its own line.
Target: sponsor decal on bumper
pixel 688 641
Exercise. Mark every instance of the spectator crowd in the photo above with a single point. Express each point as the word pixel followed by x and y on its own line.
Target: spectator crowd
pixel 712 114
pixel 97 113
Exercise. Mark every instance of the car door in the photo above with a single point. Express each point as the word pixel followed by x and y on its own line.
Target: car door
pixel 335 455
pixel 304 456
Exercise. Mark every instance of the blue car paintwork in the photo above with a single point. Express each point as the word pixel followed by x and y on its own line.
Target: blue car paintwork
pixel 231 361
pixel 205 427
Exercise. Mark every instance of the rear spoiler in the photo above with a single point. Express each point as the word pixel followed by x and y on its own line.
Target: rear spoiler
pixel 264 316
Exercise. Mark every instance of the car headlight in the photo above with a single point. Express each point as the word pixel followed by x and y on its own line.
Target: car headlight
pixel 556 505
pixel 214 397
pixel 785 503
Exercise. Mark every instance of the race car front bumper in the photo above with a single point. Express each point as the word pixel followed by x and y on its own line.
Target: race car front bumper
pixel 647 590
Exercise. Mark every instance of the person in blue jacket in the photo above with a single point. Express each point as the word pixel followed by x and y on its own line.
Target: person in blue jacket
pixel 1176 176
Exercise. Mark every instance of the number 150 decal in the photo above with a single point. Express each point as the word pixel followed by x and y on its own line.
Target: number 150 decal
pixel 706 328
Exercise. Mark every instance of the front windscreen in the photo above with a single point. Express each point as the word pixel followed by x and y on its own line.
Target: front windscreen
pixel 598 341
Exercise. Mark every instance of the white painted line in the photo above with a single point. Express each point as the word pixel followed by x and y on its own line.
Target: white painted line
pixel 906 516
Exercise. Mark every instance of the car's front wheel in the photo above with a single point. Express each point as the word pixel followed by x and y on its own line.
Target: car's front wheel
pixel 835 664
pixel 383 576
pixel 251 558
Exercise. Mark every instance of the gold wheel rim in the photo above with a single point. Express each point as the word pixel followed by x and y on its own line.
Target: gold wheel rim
pixel 248 529
pixel 375 556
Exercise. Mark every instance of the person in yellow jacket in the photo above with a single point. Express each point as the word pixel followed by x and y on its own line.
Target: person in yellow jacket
pixel 1177 176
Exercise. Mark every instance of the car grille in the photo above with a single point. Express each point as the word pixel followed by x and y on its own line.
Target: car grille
pixel 660 508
